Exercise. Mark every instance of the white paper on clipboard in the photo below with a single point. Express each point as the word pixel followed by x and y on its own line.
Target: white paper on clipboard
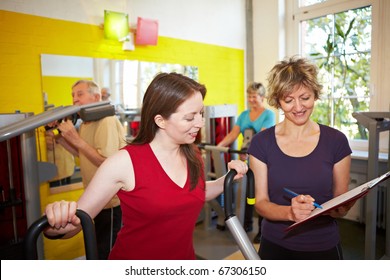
pixel 344 198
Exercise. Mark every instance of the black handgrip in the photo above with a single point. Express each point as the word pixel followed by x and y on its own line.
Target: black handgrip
pixel 250 186
pixel 228 190
pixel 39 225
pixel 73 118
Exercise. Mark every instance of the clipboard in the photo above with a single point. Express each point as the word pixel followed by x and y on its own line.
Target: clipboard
pixel 342 199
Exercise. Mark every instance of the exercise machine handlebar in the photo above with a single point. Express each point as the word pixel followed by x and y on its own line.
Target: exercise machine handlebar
pixel 88 112
pixel 228 191
pixel 231 219
pixel 39 225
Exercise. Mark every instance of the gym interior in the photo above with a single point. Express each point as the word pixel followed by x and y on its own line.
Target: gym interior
pixel 47 45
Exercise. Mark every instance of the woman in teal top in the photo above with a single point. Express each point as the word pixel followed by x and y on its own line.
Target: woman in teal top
pixel 250 122
pixel 244 122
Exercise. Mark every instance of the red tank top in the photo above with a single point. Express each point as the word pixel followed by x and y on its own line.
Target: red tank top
pixel 158 216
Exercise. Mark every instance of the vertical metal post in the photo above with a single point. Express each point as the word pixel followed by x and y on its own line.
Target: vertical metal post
pixel 371 198
pixel 31 182
pixel 12 192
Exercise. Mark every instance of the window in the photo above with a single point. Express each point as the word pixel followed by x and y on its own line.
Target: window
pixel 340 45
pixel 346 39
pixel 129 79
pixel 137 76
pixel 305 3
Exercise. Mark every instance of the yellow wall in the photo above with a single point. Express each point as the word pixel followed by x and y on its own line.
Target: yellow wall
pixel 23 38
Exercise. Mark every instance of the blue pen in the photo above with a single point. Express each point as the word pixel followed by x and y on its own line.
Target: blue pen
pixel 295 194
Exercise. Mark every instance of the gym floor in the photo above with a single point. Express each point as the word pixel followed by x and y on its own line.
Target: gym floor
pixel 214 244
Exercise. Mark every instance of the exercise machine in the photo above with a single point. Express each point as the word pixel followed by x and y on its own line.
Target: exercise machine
pixel 39 225
pixel 23 173
pixel 375 122
pixel 219 120
pixel 231 219
pixel 218 155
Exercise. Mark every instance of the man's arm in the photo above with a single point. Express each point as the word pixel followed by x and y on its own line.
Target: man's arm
pixel 72 137
pixel 60 140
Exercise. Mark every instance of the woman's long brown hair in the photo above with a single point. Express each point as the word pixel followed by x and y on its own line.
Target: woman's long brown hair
pixel 164 95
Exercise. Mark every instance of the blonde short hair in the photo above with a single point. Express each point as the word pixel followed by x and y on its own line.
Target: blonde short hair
pixel 286 75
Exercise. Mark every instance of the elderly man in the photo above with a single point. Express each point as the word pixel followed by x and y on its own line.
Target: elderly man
pixel 93 143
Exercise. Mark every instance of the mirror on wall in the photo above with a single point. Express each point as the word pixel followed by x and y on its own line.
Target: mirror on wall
pixel 127 81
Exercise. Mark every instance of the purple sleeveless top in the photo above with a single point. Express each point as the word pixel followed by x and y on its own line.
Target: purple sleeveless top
pixel 311 174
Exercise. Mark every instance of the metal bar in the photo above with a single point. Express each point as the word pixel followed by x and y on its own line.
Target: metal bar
pixel 12 192
pixel 371 198
pixel 35 121
pixel 30 123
